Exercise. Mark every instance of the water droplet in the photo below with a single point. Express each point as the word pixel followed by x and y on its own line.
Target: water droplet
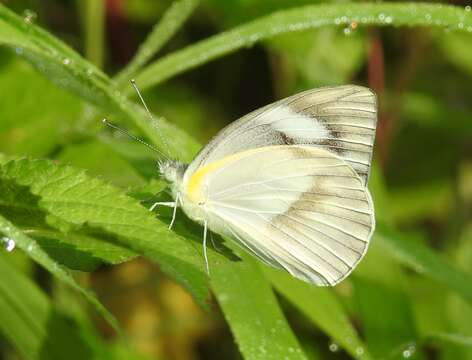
pixel 381 17
pixel 468 8
pixel 333 347
pixel 9 244
pixel 19 50
pixel 428 17
pixel 347 30
pixel 409 351
pixel 460 25
pixel 337 21
pixel 89 72
pixel 29 16
pixel 344 19
pixel 30 247
pixel 359 351
pixel 66 61
pixel 388 19
pixel 353 25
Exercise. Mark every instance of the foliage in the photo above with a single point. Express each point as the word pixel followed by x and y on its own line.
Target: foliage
pixel 74 196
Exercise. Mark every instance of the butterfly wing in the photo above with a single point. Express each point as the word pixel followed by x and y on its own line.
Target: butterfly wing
pixel 299 208
pixel 339 119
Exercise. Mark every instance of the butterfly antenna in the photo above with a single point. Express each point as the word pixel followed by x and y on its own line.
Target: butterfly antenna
pixel 138 92
pixel 124 132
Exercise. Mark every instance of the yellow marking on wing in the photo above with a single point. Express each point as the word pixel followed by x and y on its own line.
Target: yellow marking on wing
pixel 194 183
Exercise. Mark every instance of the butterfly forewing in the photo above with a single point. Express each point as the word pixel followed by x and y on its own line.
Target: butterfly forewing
pixel 341 120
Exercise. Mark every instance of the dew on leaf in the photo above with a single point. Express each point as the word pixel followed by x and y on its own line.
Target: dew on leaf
pixel 333 347
pixel 409 351
pixel 359 351
pixel 9 244
pixel 29 16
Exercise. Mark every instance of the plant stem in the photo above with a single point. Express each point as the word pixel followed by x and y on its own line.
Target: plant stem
pixel 94 28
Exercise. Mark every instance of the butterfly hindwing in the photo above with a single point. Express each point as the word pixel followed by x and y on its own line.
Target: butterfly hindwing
pixel 341 120
pixel 296 207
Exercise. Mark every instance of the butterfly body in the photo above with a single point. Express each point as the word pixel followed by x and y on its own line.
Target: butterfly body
pixel 288 182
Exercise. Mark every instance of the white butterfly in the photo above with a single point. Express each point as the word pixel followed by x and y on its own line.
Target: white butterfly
pixel 288 182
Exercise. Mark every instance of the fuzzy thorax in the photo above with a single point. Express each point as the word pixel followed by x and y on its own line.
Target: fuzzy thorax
pixel 173 172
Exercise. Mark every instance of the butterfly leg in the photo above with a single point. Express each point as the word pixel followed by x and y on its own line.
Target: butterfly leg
pixel 205 231
pixel 174 213
pixel 169 204
pixel 213 242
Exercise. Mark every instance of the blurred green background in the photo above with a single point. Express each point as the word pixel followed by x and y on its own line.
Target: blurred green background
pixel 398 301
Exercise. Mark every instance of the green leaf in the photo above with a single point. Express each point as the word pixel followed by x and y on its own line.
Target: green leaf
pixel 89 155
pixel 170 23
pixel 252 310
pixel 394 328
pixel 42 258
pixel 409 251
pixel 302 18
pixel 78 250
pixel 301 58
pixel 457 339
pixel 456 47
pixel 79 201
pixel 45 116
pixel 322 308
pixel 457 310
pixel 32 324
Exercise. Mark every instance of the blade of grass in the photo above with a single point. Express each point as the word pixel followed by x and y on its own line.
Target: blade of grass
pixel 67 69
pixel 322 308
pixel 31 322
pixel 412 253
pixel 30 247
pixel 252 310
pixel 395 327
pixel 170 23
pixel 302 18
pixel 94 29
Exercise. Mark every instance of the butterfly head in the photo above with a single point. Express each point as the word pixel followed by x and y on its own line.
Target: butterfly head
pixel 172 171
